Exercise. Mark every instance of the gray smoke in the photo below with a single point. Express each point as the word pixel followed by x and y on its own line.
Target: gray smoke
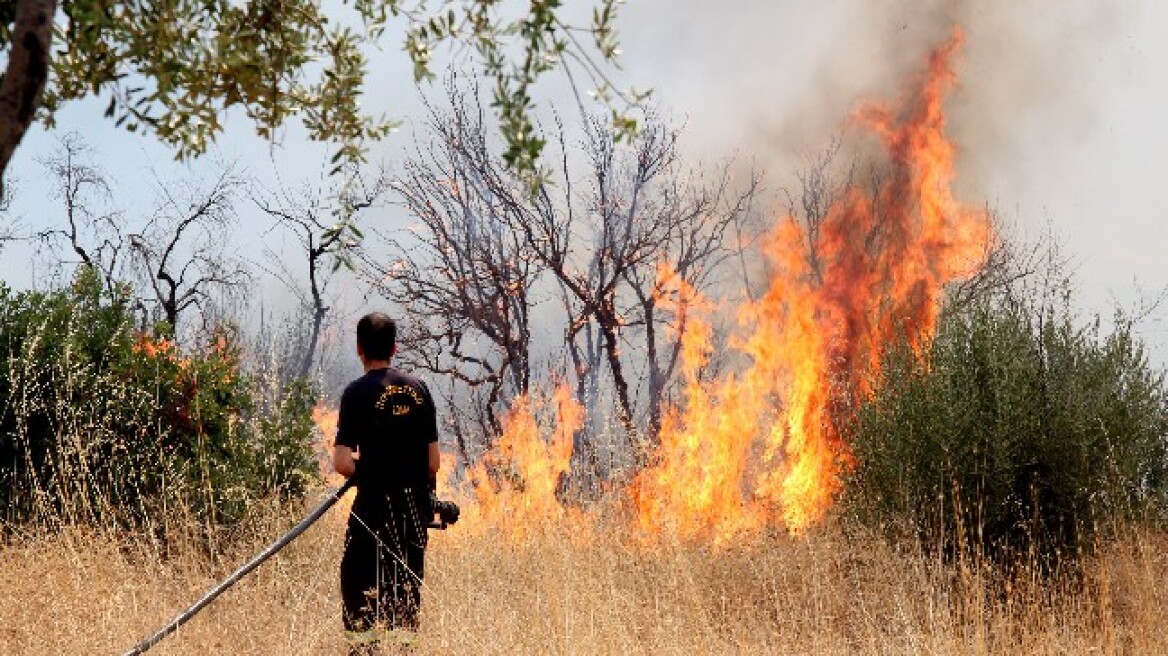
pixel 777 80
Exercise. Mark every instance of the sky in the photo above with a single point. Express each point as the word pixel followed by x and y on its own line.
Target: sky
pixel 1059 119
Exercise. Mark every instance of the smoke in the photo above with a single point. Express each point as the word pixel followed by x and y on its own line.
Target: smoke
pixel 777 81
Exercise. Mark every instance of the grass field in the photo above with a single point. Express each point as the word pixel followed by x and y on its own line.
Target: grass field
pixel 581 589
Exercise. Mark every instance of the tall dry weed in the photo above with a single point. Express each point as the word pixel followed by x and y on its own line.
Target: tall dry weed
pixel 564 591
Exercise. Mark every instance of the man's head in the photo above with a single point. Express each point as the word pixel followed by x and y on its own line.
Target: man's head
pixel 376 337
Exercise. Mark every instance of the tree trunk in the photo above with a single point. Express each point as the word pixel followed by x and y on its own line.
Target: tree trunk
pixel 310 353
pixel 23 82
pixel 656 379
pixel 616 367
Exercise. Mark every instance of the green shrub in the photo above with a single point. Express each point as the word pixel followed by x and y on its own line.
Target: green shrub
pixel 102 423
pixel 1018 434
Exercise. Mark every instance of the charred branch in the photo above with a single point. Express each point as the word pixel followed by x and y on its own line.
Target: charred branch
pixel 598 240
pixel 91 231
pixel 181 251
pixel 459 272
pixel 323 223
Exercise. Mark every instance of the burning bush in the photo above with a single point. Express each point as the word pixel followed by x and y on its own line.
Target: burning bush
pixel 101 423
pixel 1018 434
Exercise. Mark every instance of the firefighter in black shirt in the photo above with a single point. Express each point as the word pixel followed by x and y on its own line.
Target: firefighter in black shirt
pixel 387 437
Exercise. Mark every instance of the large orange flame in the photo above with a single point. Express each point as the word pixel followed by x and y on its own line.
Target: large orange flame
pixel 763 445
pixel 325 419
pixel 516 485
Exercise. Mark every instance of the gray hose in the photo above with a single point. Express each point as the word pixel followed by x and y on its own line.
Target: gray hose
pixel 279 544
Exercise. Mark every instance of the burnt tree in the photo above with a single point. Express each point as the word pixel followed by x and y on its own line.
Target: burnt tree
pixel 696 219
pixel 323 222
pixel 91 226
pixel 181 252
pixel 597 234
pixel 460 273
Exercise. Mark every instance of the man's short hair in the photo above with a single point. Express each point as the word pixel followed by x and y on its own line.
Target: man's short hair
pixel 376 335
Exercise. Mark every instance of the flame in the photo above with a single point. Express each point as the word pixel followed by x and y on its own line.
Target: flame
pixel 514 488
pixel 325 418
pixel 516 484
pixel 704 444
pixel 762 446
pixel 155 347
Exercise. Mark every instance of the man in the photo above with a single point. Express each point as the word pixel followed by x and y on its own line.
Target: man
pixel 387 438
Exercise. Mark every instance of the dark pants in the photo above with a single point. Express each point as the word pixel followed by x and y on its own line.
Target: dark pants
pixel 384 561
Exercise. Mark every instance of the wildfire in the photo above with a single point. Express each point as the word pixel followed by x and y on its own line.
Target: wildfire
pixel 154 347
pixel 763 443
pixel 516 484
pixel 514 488
pixel 325 419
pixel 761 447
pixel 705 443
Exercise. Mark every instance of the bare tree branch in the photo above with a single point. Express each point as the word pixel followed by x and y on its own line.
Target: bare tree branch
pixel 486 247
pixel 324 224
pixel 181 250
pixel 94 235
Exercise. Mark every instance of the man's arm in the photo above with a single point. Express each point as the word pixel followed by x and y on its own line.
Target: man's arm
pixel 350 422
pixel 343 461
pixel 435 460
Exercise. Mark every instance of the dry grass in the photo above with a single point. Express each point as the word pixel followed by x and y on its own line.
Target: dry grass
pixel 570 591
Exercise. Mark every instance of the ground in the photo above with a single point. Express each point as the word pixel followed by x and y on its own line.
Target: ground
pixel 579 590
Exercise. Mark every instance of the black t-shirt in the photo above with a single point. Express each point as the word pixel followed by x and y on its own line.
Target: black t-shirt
pixel 389 416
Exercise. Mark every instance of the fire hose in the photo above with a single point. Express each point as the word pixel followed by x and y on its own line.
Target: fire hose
pixel 446 511
pixel 247 567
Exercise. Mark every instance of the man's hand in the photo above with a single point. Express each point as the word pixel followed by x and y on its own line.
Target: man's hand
pixel 343 461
